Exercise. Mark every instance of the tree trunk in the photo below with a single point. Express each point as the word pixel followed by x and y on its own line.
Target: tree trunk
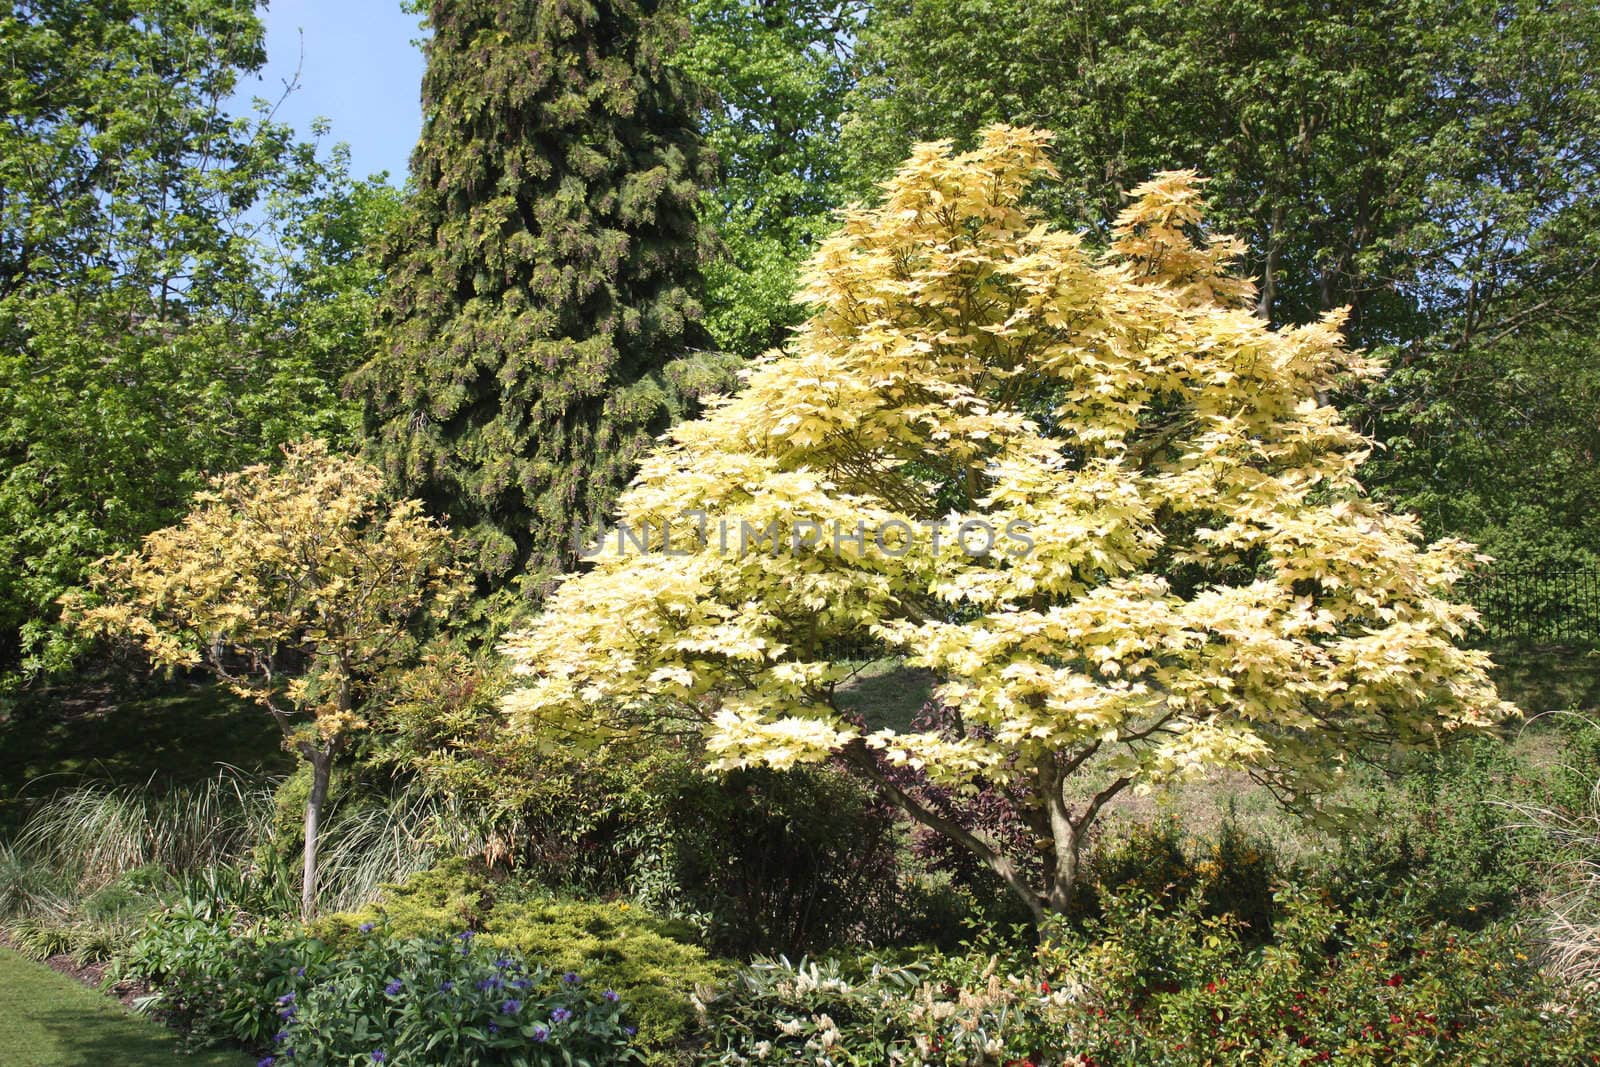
pixel 1268 293
pixel 321 766
pixel 1055 820
pixel 863 762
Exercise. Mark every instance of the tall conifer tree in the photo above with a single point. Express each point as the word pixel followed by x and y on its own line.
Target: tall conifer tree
pixel 545 276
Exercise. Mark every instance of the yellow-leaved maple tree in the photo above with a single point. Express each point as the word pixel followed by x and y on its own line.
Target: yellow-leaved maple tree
pixel 299 586
pixel 1183 572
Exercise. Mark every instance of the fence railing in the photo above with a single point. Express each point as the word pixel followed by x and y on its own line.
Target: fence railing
pixel 1558 605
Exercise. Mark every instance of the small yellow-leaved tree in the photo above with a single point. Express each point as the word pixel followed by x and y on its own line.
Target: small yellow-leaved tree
pixel 299 586
pixel 1107 505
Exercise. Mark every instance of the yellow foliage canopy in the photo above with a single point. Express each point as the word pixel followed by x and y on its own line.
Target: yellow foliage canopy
pixel 298 585
pixel 1207 584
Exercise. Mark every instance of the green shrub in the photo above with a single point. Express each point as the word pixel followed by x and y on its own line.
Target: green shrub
pixel 215 977
pixel 593 827
pixel 1170 986
pixel 456 895
pixel 639 957
pixel 1166 984
pixel 432 999
pixel 649 961
pixel 1447 844
pixel 759 860
pixel 791 861
pixel 1232 875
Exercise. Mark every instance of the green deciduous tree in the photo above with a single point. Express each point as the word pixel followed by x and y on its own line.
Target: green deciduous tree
pixel 546 273
pixel 302 588
pixel 1500 441
pixel 1490 417
pixel 777 74
pixel 1296 112
pixel 180 291
pixel 1200 581
pixel 1432 165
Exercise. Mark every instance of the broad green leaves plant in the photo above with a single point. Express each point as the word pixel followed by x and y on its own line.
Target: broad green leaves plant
pixel 1190 574
pixel 181 291
pixel 777 78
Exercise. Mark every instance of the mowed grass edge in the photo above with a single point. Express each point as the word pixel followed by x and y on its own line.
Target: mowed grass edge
pixel 49 1020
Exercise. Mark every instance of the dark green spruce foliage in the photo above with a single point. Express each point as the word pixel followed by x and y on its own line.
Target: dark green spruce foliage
pixel 546 276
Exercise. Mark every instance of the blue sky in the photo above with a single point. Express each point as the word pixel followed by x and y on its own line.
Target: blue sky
pixel 358 69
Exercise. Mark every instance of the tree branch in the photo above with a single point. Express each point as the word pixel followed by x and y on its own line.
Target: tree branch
pixel 858 757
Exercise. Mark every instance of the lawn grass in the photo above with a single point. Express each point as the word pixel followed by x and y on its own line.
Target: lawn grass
pixel 886 693
pixel 1540 680
pixel 50 1020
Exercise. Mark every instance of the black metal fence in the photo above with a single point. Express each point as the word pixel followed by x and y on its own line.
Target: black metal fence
pixel 1555 605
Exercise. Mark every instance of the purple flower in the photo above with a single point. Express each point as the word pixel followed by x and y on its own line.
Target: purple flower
pixel 493 1029
pixel 611 995
pixel 488 983
pixel 466 935
pixel 511 1007
pixel 287 998
pixel 393 987
pixel 266 1061
pixel 541 1034
pixel 560 1015
pixel 520 983
pixel 571 978
pixel 367 928
pixel 299 972
pixel 280 1037
pixel 503 963
pixel 630 1030
pixel 286 1013
pixel 446 985
pixel 378 1056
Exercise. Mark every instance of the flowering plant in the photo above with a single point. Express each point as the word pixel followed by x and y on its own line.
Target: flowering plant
pixel 448 999
pixel 940 1011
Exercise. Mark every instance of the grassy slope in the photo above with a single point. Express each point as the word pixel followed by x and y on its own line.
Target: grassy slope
pixel 160 733
pixel 884 693
pixel 49 1020
pixel 1540 680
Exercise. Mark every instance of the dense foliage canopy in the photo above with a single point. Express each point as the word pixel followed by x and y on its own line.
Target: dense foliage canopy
pixel 1156 555
pixel 180 291
pixel 545 275
pixel 778 75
